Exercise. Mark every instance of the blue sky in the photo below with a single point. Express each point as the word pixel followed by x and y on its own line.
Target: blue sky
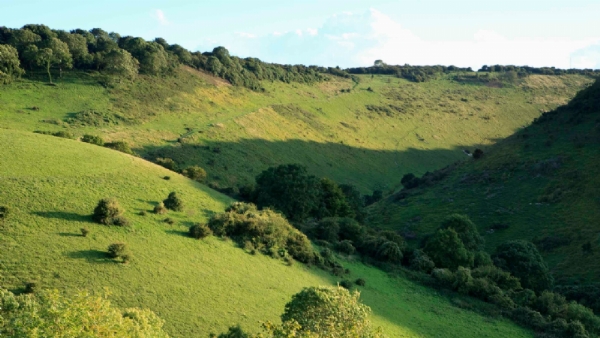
pixel 347 33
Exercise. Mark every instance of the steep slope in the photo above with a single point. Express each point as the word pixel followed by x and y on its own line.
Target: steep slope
pixel 51 185
pixel 541 184
pixel 368 135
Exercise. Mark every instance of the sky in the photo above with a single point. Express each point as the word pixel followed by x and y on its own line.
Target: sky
pixel 346 33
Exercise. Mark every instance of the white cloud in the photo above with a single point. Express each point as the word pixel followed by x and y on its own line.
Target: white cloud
pixel 160 16
pixel 351 39
pixel 246 35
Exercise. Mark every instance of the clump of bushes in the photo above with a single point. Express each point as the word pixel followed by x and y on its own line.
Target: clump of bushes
pixel 199 231
pixel 360 282
pixel 173 202
pixel 109 212
pixel 345 247
pixel 120 146
pixel 93 139
pixel 195 173
pixel 346 284
pixel 160 209
pixel 119 250
pixel 167 163
pixel 63 134
pixel 266 230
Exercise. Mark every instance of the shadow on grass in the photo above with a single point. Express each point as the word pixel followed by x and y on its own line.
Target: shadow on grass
pixel 178 232
pixel 67 216
pixel 91 256
pixel 69 234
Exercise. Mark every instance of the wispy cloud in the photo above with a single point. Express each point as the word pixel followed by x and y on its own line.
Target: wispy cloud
pixel 357 39
pixel 160 16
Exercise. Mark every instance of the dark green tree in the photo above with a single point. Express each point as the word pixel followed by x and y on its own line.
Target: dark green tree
pixel 333 201
pixel 289 189
pixel 10 66
pixel 523 260
pixel 466 230
pixel 447 250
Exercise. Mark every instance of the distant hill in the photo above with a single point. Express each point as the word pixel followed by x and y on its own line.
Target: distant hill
pixel 540 184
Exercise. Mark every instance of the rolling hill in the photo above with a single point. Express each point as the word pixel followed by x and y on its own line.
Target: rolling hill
pixel 540 184
pixel 51 186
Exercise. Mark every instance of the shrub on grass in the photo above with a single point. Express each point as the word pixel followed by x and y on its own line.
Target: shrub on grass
pixel 421 262
pixel 169 221
pixel 195 173
pixel 4 212
pixel 121 221
pixel 360 282
pixel 117 250
pixel 107 211
pixel 173 202
pixel 119 146
pixel 199 231
pixel 477 154
pixel 345 247
pixel 523 260
pixel 447 250
pixel 390 252
pixel 167 163
pixel 346 284
pixel 160 209
pixel 85 232
pixel 31 287
pixel 93 139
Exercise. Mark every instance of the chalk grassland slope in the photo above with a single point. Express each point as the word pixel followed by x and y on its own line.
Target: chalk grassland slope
pixel 51 186
pixel 383 128
pixel 541 184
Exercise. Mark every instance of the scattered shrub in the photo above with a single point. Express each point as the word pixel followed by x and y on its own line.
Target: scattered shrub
pixel 345 247
pixel 107 211
pixel 31 287
pixel 169 221
pixel 142 213
pixel 201 230
pixel 119 146
pixel 97 140
pixel 4 212
pixel 477 154
pixel 167 163
pixel 117 250
pixel 166 178
pixel 160 209
pixel 195 173
pixel 85 232
pixel 360 282
pixel 121 221
pixel 173 202
pixel 346 284
pixel 410 181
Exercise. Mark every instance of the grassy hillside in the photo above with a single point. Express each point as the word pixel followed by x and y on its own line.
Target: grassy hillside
pixel 383 128
pixel 51 185
pixel 541 184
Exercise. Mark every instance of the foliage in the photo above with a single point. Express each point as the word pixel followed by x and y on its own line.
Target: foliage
pixel 390 251
pixel 268 231
pixel 332 201
pixel 360 282
pixel 173 202
pixel 167 163
pixel 10 66
pixel 85 232
pixel 93 139
pixel 346 284
pixel 421 262
pixel 447 250
pixel 409 181
pixel 107 211
pixel 119 146
pixel 329 312
pixel 522 259
pixel 199 231
pixel 117 250
pixel 4 212
pixel 195 173
pixel 346 247
pixel 466 230
pixel 354 200
pixel 160 208
pixel 49 314
pixel 289 189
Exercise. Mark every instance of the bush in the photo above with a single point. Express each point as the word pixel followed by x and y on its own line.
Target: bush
pixel 390 252
pixel 447 250
pixel 173 202
pixel 107 211
pixel 346 284
pixel 199 231
pixel 195 173
pixel 466 230
pixel 444 276
pixel 350 230
pixel 421 262
pixel 119 146
pixel 360 282
pixel 85 232
pixel 4 212
pixel 522 259
pixel 31 287
pixel 121 221
pixel 117 250
pixel 410 181
pixel 345 247
pixel 328 229
pixel 328 312
pixel 160 209
pixel 167 163
pixel 97 140
pixel 267 230
pixel 477 154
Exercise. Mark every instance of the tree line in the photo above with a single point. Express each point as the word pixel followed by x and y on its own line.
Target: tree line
pixel 38 47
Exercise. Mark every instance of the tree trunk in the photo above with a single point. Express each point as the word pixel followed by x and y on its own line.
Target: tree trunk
pixel 48 69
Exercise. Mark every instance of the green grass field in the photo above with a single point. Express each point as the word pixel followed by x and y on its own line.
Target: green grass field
pixel 51 186
pixel 542 184
pixel 368 138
